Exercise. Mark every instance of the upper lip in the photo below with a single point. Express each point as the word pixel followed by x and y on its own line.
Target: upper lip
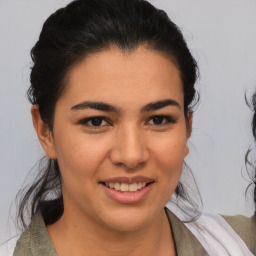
pixel 128 180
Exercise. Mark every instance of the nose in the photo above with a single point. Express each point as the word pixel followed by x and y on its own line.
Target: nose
pixel 130 149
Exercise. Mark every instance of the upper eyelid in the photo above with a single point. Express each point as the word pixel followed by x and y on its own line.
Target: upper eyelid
pixel 167 120
pixel 167 117
pixel 163 116
pixel 86 120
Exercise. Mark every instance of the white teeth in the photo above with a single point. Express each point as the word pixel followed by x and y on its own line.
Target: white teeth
pixel 124 187
pixel 117 186
pixel 133 187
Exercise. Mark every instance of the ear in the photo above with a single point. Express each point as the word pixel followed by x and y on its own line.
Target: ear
pixel 189 129
pixel 44 134
pixel 189 123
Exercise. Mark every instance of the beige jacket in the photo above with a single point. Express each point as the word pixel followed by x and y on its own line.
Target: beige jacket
pixel 35 241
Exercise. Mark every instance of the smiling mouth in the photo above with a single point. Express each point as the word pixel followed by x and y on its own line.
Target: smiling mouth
pixel 125 187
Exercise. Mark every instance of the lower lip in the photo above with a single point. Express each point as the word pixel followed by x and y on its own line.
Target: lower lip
pixel 128 197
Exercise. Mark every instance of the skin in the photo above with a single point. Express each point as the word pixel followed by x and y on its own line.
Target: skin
pixel 128 142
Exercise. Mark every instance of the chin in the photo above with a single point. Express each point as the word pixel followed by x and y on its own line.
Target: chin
pixel 128 218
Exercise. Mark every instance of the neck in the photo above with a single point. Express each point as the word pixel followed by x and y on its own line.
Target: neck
pixel 84 235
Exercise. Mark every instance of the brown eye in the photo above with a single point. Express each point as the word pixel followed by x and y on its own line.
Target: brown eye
pixel 96 121
pixel 161 120
pixel 158 120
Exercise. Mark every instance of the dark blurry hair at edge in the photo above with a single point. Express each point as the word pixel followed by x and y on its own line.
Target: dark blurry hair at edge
pixel 84 27
pixel 250 159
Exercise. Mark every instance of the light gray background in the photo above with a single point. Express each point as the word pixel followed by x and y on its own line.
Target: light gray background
pixel 222 37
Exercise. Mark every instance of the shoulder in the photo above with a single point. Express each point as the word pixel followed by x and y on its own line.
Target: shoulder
pixel 221 236
pixel 185 242
pixel 23 246
pixel 245 227
pixel 241 224
pixel 35 240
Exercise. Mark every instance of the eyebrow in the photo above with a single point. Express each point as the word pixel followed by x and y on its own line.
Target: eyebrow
pixel 102 106
pixel 160 104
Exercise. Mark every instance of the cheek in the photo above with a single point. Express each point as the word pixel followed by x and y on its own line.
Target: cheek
pixel 169 156
pixel 79 156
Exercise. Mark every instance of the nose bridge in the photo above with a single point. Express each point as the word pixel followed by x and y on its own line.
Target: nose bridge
pixel 130 148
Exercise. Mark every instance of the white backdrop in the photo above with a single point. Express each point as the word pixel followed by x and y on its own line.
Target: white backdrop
pixel 222 37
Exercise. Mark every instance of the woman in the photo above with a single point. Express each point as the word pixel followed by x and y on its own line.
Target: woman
pixel 111 88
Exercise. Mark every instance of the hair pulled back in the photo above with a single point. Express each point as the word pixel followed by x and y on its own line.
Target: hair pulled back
pixel 68 36
pixel 248 158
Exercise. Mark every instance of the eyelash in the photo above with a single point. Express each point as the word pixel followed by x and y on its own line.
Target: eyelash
pixel 90 119
pixel 167 120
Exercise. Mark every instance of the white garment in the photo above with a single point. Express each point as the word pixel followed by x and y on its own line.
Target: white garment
pixel 214 233
pixel 7 248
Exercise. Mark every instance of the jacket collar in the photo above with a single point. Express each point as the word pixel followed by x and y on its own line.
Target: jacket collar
pixel 185 242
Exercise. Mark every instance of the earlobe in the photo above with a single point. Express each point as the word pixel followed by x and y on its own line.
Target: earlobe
pixel 186 150
pixel 43 132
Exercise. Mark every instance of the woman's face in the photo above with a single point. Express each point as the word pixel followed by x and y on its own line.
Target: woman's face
pixel 119 136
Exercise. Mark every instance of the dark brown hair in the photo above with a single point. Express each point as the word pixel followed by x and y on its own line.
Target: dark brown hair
pixel 69 35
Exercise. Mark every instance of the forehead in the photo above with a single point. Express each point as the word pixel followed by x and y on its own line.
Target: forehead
pixel 124 77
